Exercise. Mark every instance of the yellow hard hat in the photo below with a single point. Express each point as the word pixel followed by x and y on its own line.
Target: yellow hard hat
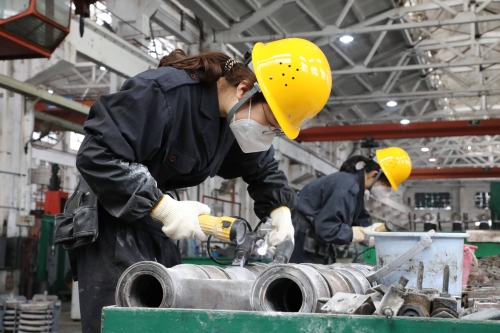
pixel 396 165
pixel 295 78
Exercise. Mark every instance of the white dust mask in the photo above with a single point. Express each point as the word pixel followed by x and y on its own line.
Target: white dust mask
pixel 249 134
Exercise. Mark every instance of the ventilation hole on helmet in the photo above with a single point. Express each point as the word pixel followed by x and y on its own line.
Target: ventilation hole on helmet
pixel 286 85
pixel 283 74
pixel 280 62
pixel 289 65
pixel 293 78
pixel 297 69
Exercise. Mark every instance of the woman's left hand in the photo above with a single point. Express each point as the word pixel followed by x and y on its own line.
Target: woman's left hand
pixel 281 226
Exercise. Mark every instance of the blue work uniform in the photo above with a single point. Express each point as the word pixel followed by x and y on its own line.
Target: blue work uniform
pixel 162 131
pixel 328 208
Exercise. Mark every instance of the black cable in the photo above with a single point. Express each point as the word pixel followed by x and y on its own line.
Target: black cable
pixel 177 195
pixel 210 255
pixel 356 257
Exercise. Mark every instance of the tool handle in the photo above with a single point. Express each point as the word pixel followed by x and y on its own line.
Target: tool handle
pixel 385 227
pixel 208 223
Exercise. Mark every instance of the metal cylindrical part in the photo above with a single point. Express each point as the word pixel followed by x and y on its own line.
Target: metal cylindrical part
pixel 420 277
pixel 446 279
pixel 289 288
pixel 152 285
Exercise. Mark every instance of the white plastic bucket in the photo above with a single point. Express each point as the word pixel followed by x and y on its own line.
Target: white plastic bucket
pixel 446 249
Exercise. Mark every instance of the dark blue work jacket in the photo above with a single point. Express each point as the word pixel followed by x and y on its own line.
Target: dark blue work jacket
pixel 163 131
pixel 332 205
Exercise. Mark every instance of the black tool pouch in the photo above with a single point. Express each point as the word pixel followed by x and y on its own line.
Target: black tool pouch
pixel 315 246
pixel 78 225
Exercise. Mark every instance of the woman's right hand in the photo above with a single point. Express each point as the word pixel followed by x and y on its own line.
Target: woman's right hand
pixel 180 218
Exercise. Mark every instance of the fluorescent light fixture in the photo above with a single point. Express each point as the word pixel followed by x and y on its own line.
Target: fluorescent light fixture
pixel 346 39
pixel 432 159
pixel 50 91
pixel 404 121
pixel 102 68
pixel 424 149
pixel 469 147
pixel 392 104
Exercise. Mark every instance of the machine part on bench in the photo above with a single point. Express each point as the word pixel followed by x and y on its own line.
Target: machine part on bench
pixel 444 313
pixel 336 281
pixel 417 299
pixel 393 299
pixel 344 303
pixel 379 288
pixel 420 276
pixel 289 288
pixel 149 284
pixel 388 312
pixel 444 300
pixel 413 311
pixel 486 314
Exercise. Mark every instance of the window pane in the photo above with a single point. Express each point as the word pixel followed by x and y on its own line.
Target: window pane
pixel 482 200
pixel 433 200
pixel 9 8
pixel 57 11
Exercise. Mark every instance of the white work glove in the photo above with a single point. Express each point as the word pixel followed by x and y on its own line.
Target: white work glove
pixel 180 218
pixel 359 234
pixel 281 226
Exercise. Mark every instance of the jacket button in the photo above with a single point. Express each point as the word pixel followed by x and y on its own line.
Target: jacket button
pixel 173 158
pixel 193 76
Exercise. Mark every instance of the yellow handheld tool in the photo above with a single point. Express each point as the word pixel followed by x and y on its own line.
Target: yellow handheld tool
pixel 225 228
pixel 387 226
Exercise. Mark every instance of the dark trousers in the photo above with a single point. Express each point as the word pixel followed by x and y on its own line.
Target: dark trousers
pixel 299 255
pixel 101 264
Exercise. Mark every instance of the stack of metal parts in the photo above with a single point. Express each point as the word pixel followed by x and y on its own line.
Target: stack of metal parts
pixel 41 314
pixel 9 312
pixel 479 300
pixel 259 287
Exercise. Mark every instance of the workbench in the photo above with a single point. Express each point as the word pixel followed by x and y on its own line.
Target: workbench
pixel 148 320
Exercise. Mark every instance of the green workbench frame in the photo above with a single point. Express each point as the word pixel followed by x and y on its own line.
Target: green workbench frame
pixel 146 320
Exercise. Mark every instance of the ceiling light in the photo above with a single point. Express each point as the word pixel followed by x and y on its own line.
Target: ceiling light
pixel 346 39
pixel 50 91
pixel 392 103
pixel 432 159
pixel 404 121
pixel 469 147
pixel 424 149
pixel 102 68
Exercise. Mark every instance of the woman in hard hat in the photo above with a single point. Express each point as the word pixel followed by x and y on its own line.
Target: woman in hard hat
pixel 331 209
pixel 172 127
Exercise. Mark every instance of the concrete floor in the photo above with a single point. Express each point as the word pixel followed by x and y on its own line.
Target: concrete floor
pixel 66 324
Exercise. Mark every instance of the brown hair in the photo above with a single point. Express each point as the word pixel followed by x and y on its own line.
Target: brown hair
pixel 209 65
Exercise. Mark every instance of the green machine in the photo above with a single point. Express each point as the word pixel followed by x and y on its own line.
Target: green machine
pixel 147 320
pixel 51 260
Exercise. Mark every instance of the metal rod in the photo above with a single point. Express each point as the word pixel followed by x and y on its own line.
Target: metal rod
pixel 446 279
pixel 420 278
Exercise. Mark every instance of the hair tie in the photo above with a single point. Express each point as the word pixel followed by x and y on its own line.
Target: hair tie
pixel 229 64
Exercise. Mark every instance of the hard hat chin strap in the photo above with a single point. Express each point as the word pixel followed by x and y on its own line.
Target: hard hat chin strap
pixel 253 91
pixel 376 179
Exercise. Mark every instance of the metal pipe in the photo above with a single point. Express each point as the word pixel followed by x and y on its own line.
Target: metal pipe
pixel 298 288
pixel 152 285
pixel 289 288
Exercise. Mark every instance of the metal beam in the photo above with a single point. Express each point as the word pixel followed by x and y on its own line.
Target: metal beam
pixel 34 92
pixel 208 14
pixel 474 91
pixel 58 68
pixel 359 69
pixel 68 125
pixel 399 131
pixel 332 30
pixel 169 20
pixel 454 173
pixel 109 50
pixel 257 16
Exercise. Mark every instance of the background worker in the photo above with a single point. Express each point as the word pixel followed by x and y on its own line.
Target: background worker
pixel 332 211
pixel 173 127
